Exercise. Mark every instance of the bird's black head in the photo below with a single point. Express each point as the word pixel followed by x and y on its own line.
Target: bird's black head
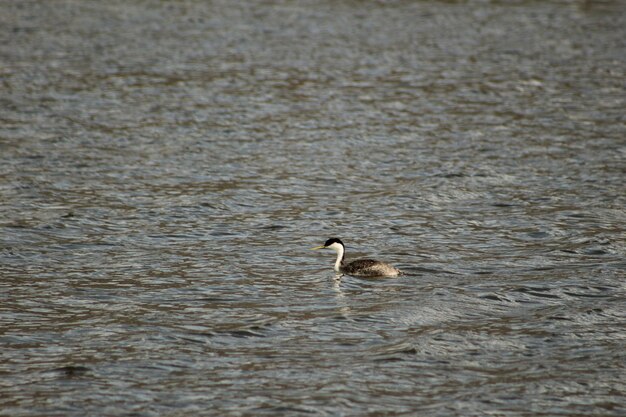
pixel 333 240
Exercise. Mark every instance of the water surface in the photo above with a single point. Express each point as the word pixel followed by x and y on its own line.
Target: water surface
pixel 165 166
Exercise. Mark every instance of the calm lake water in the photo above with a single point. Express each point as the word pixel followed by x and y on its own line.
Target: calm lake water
pixel 165 167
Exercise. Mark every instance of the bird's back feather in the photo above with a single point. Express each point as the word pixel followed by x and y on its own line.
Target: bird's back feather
pixel 369 268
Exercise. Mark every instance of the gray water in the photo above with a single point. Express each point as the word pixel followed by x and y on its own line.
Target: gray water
pixel 165 167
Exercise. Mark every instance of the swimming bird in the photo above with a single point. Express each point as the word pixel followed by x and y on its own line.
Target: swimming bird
pixel 360 267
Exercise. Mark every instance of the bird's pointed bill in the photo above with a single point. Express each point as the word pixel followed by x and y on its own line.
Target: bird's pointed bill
pixel 318 247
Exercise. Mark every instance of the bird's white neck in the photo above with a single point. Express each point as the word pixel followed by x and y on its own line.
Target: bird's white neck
pixel 340 251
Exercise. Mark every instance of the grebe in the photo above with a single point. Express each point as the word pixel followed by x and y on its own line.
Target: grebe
pixel 360 267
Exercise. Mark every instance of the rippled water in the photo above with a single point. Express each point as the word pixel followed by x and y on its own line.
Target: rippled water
pixel 165 166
